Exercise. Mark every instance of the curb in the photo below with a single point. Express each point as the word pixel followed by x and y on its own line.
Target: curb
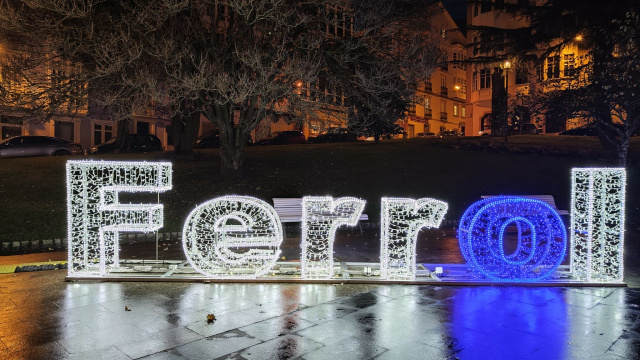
pixel 28 267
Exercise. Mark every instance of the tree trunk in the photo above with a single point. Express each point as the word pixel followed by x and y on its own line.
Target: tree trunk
pixel 184 130
pixel 232 139
pixel 623 150
pixel 232 150
pixel 499 106
pixel 122 138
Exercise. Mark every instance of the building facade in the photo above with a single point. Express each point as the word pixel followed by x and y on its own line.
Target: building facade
pixel 441 98
pixel 519 78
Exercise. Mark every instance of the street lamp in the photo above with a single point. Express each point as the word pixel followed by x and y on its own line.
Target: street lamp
pixel 506 66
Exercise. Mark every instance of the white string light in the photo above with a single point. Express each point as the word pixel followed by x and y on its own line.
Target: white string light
pixel 542 239
pixel 232 237
pixel 95 216
pixel 321 217
pixel 597 223
pixel 402 219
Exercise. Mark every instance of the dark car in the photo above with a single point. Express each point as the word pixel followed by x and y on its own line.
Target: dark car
pixel 284 138
pixel 581 131
pixel 590 130
pixel 211 140
pixel 137 143
pixel 448 133
pixel 334 135
pixel 524 129
pixel 20 146
pixel 426 135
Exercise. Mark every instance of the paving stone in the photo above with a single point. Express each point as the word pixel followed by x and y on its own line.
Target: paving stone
pixel 275 327
pixel 283 347
pixel 350 348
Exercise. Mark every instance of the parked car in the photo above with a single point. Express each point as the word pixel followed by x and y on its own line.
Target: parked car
pixel 590 130
pixel 211 140
pixel 137 143
pixel 19 146
pixel 426 135
pixel 284 138
pixel 524 129
pixel 334 135
pixel 448 133
pixel 581 131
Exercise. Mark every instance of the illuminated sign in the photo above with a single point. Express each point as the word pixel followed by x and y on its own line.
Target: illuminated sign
pixel 237 237
pixel 402 219
pixel 321 217
pixel 541 245
pixel 95 215
pixel 232 236
pixel 597 224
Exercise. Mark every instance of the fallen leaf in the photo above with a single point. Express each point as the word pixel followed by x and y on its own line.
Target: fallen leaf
pixel 211 318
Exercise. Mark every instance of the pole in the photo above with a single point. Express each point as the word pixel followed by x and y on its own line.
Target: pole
pixel 506 100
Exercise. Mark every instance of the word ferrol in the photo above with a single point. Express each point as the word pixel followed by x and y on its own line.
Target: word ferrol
pixel 236 237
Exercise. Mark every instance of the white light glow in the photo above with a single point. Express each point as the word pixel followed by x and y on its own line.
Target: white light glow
pixel 321 217
pixel 597 224
pixel 402 219
pixel 96 217
pixel 232 237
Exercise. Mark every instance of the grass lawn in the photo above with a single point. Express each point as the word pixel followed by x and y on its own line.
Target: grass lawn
pixel 33 190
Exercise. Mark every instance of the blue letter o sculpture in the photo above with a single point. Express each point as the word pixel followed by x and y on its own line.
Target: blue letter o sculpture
pixel 541 238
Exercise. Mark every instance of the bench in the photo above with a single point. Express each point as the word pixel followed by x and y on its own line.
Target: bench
pixel 544 198
pixel 290 210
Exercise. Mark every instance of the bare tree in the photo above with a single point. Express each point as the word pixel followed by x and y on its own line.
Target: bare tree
pixel 58 54
pixel 395 49
pixel 236 62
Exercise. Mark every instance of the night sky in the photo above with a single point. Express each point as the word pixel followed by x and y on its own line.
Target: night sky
pixel 457 8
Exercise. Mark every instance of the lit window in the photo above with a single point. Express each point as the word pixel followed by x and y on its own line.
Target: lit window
pixel 445 61
pixel 102 133
pixel 458 59
pixel 485 78
pixel 569 65
pixel 522 75
pixel 456 109
pixel 464 111
pixel 553 67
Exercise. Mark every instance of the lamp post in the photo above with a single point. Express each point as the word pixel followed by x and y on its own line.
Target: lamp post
pixel 506 66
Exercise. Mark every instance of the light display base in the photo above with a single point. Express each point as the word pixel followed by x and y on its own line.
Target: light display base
pixel 345 273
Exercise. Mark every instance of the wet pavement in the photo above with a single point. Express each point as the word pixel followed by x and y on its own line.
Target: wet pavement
pixel 44 317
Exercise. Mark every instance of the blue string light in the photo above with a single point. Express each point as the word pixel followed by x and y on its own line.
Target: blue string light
pixel 541 239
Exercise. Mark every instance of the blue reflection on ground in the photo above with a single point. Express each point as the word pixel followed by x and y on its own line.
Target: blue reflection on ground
pixel 510 322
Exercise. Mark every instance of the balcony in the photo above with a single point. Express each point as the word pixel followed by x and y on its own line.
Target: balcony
pixel 444 91
pixel 443 116
pixel 428 86
pixel 428 113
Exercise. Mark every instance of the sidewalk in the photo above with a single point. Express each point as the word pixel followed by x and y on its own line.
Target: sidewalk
pixel 44 317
